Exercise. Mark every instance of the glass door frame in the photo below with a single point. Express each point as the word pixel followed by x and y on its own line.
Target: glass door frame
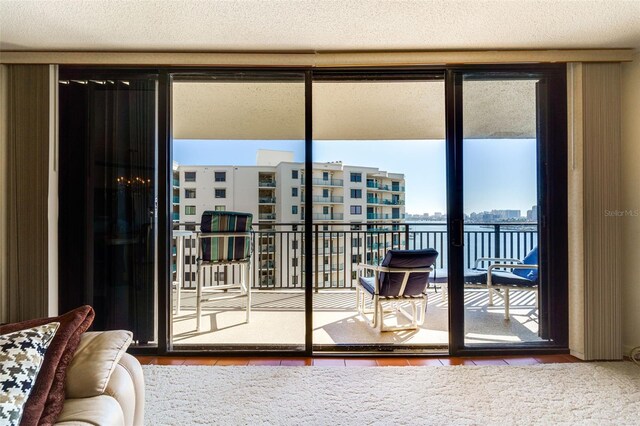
pixel 553 167
pixel 373 75
pixel 165 224
pixel 551 112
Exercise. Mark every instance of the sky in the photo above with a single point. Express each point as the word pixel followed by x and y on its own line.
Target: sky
pixel 498 173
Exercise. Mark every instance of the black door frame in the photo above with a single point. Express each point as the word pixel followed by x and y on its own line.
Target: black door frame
pixel 551 112
pixel 552 168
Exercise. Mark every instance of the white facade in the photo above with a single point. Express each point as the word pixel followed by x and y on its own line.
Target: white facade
pixel 346 200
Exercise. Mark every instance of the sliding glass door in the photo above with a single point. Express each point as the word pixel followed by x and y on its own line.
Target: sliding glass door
pixel 108 195
pixel 509 214
pixel 322 173
pixel 238 159
pixel 378 184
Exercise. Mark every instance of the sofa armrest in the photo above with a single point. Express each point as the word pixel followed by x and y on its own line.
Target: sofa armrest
pixel 96 410
pixel 126 386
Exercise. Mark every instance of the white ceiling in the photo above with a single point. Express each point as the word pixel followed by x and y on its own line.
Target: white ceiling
pixel 349 110
pixel 274 25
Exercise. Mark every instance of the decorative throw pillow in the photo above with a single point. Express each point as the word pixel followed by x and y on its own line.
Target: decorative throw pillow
pixel 47 398
pixel 21 356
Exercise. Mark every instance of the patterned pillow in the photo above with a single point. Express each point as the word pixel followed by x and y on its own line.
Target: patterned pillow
pixel 21 355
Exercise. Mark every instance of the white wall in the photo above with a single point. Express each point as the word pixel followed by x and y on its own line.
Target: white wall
pixel 631 202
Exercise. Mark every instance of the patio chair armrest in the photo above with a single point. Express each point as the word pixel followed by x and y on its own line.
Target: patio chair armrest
pixel 507 265
pixel 495 259
pixel 363 266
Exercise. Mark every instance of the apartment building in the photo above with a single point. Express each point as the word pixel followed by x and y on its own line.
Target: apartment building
pixel 351 206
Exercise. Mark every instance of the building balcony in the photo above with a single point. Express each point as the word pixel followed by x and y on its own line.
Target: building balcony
pixel 385 202
pixel 267 216
pixel 176 199
pixel 267 200
pixel 266 184
pixel 325 182
pixel 176 216
pixel 322 216
pixel 176 182
pixel 278 299
pixel 385 216
pixel 334 199
pixel 380 187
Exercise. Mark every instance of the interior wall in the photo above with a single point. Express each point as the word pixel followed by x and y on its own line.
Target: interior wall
pixel 630 221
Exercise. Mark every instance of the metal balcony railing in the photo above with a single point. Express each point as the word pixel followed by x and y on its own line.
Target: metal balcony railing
pixel 279 263
pixel 325 182
pixel 267 183
pixel 381 187
pixel 266 200
pixel 326 200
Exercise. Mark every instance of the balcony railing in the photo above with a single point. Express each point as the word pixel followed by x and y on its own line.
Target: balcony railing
pixel 267 183
pixel 323 216
pixel 325 200
pixel 176 216
pixel 325 182
pixel 282 258
pixel 386 202
pixel 267 216
pixel 176 182
pixel 266 200
pixel 380 187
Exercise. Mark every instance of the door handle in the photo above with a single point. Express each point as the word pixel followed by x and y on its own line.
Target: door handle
pixel 457 233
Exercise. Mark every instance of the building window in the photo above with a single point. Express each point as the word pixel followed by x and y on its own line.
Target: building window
pixel 220 176
pixel 294 279
pixel 325 193
pixel 190 260
pixel 356 177
pixel 325 209
pixel 395 213
pixel 356 193
pixel 294 245
pixel 190 210
pixel 326 277
pixel 294 209
pixel 356 242
pixel 294 262
pixel 189 193
pixel 294 192
pixel 395 186
pixel 220 208
pixel 189 276
pixel 356 209
pixel 325 175
pixel 294 174
pixel 356 258
pixel 221 193
pixel 325 227
pixel 218 276
pixel 354 275
pixel 189 176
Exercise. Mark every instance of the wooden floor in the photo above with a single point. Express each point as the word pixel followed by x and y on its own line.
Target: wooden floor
pixel 361 362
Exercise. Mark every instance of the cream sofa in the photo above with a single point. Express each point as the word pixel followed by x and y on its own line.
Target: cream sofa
pixel 104 384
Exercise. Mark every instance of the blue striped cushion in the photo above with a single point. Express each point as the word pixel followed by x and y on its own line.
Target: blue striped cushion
pixel 226 248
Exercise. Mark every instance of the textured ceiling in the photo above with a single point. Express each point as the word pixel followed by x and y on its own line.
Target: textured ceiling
pixel 349 110
pixel 190 25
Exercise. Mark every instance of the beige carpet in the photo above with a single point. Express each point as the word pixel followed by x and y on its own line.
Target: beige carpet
pixel 546 394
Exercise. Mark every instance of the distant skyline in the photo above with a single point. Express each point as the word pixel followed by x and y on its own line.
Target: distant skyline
pixel 498 173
